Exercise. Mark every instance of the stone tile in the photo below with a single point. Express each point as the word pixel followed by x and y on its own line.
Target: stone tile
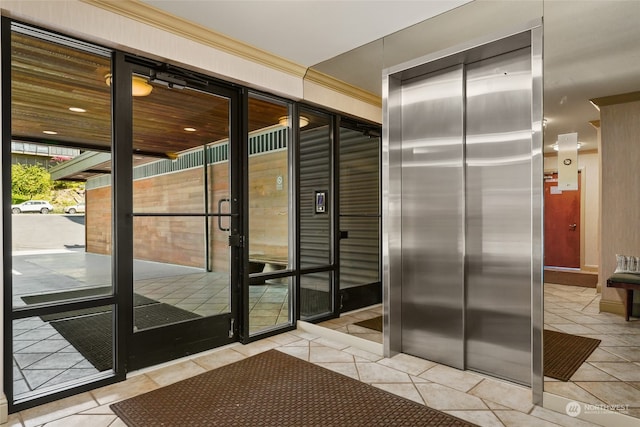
pixel 376 373
pixel 255 347
pixel 71 375
pixel 631 354
pixel 219 358
pixel 602 355
pixel 478 417
pixel 319 354
pixel 20 387
pixel 58 361
pixel 175 372
pixel 407 363
pixel 408 391
pixel 571 391
pixel 47 346
pixel 102 409
pixel 118 423
pixel 572 328
pixel 454 378
pixel 25 360
pixel 347 369
pixel 330 343
pixel 362 354
pixel 613 393
pixel 56 410
pixel 375 337
pixel 621 370
pixel 588 372
pixel 83 421
pixel 518 419
pixel 284 339
pixel 558 418
pixel 509 395
pixel 131 387
pixel 299 352
pixel 37 378
pixel 443 398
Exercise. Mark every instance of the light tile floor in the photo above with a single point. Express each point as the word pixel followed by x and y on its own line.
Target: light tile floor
pixel 479 399
pixel 611 375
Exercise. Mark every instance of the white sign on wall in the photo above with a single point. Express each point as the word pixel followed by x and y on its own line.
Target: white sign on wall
pixel 568 161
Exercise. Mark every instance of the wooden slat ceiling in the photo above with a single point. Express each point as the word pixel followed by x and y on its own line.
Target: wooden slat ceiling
pixel 48 79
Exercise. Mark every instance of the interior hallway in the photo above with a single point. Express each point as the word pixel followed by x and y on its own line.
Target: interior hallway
pixel 473 397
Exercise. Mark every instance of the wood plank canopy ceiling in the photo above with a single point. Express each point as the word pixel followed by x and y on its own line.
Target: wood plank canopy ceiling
pixel 49 78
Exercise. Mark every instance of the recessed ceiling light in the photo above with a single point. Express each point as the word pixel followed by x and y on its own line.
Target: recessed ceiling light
pixel 77 110
pixel 50 132
pixel 190 129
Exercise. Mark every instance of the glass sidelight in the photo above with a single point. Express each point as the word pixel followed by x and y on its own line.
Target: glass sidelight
pixel 57 252
pixel 270 248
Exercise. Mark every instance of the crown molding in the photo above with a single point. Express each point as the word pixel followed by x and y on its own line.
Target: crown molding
pixel 342 87
pixel 616 99
pixel 150 15
pixel 146 14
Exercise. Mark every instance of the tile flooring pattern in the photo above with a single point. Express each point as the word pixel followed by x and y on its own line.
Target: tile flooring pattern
pixel 611 375
pixel 479 399
pixel 43 358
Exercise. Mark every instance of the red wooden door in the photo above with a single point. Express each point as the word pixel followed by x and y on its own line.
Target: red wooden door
pixel 561 225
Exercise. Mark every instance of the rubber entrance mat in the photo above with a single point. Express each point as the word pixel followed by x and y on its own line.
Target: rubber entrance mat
pixel 91 334
pixel 565 353
pixel 375 323
pixel 275 389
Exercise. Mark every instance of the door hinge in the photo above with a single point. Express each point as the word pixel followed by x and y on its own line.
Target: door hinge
pixel 236 240
pixel 232 322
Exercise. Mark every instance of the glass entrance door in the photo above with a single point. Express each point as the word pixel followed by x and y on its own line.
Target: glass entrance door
pixel 185 216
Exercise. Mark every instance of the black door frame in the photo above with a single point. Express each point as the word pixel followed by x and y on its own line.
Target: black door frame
pixel 161 344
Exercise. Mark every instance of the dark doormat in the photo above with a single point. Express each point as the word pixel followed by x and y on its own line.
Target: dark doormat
pixel 375 323
pixel 138 300
pixel 275 389
pixel 92 335
pixel 565 353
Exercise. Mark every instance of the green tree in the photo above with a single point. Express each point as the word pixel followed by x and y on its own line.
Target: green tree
pixel 29 180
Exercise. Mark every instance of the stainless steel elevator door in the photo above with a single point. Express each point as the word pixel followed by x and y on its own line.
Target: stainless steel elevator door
pixel 433 217
pixel 498 209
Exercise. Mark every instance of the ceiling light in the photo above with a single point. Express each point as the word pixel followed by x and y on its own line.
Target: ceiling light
pixel 555 146
pixel 284 121
pixel 139 85
pixel 50 132
pixel 190 129
pixel 77 110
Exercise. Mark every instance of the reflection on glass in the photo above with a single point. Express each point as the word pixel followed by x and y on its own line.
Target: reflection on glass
pixel 180 186
pixel 54 351
pixel 359 208
pixel 269 304
pixel 315 176
pixel 269 222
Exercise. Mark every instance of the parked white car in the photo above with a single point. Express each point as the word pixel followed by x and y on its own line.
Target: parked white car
pixel 79 208
pixel 41 206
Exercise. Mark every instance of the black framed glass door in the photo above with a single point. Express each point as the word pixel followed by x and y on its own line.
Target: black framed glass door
pixel 185 215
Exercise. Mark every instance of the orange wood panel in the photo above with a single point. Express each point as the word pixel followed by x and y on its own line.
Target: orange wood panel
pixel 561 237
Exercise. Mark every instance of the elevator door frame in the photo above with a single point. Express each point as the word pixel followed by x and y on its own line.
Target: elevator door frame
pixel 528 35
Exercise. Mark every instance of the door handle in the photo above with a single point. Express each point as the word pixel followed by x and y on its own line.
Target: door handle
pixel 220 202
pixel 572 227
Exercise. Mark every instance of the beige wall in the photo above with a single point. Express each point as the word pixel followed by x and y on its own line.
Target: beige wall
pixel 588 163
pixel 620 196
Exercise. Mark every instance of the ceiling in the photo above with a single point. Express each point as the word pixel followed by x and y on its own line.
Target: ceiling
pixel 591 48
pixel 306 31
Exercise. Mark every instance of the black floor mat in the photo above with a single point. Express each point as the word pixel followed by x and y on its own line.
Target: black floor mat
pixel 138 300
pixel 92 335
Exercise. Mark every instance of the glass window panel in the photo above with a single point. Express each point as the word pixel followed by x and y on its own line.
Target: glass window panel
pixel 315 294
pixel 360 252
pixel 61 105
pixel 315 178
pixel 269 304
pixel 58 351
